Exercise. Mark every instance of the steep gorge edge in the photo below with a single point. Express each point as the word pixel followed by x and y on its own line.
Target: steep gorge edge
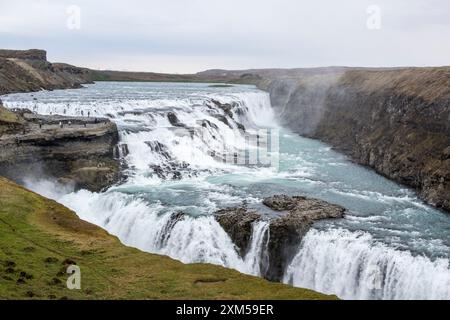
pixel 396 121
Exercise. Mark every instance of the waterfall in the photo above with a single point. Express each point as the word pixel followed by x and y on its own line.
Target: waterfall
pixel 354 266
pixel 173 139
pixel 257 257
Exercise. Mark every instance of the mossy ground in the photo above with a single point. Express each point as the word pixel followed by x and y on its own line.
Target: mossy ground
pixel 8 117
pixel 39 238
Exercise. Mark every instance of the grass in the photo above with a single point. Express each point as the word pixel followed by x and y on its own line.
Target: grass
pixel 8 117
pixel 39 238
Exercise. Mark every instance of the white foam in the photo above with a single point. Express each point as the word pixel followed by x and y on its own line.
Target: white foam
pixel 354 266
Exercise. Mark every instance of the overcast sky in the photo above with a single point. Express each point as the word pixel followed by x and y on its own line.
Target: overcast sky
pixel 192 35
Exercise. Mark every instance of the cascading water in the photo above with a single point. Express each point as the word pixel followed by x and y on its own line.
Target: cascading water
pixel 353 266
pixel 174 138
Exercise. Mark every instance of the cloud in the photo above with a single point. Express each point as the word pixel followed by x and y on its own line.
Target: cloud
pixel 188 36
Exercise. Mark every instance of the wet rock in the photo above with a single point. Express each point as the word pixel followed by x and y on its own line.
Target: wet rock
pixel 121 151
pixel 281 202
pixel 223 119
pixel 79 156
pixel 312 209
pixel 159 171
pixel 240 126
pixel 238 223
pixel 296 216
pixel 167 229
pixel 226 107
pixel 173 119
pixel 173 170
pixel 159 148
pixel 176 175
pixel 208 124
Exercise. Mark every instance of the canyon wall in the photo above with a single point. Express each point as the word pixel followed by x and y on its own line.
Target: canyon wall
pixel 80 155
pixel 29 70
pixel 396 121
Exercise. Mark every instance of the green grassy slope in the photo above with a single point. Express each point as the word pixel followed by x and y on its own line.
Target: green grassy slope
pixel 39 238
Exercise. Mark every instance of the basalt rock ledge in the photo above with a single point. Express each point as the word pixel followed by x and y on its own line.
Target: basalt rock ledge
pixel 78 152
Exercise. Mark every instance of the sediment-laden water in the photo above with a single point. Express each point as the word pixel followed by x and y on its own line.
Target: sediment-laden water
pixel 174 138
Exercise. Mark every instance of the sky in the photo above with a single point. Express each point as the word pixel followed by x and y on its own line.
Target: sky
pixel 187 36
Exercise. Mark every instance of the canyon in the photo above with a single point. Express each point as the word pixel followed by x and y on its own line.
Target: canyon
pixel 396 121
pixel 393 120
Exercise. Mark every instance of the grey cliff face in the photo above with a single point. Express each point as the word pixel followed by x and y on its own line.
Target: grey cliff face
pixel 396 121
pixel 80 154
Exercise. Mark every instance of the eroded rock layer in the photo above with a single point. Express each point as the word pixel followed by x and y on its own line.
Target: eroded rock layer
pixel 75 151
pixel 396 121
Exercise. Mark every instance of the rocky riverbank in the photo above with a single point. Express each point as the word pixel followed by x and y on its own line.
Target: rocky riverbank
pixel 78 152
pixel 294 216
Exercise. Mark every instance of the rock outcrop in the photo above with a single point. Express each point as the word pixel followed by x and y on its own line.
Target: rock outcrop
pixel 295 216
pixel 80 154
pixel 29 70
pixel 396 121
pixel 238 223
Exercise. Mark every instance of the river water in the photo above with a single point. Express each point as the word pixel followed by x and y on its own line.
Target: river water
pixel 390 245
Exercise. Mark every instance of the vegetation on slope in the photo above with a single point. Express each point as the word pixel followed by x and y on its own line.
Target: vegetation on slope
pixel 8 117
pixel 39 238
pixel 9 121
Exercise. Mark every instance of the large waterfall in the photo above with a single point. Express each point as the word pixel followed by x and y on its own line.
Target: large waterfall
pixel 177 145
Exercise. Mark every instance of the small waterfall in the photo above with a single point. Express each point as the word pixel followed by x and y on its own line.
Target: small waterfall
pixel 354 266
pixel 257 258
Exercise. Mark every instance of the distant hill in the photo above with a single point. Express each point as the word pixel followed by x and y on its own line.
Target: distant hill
pixel 29 70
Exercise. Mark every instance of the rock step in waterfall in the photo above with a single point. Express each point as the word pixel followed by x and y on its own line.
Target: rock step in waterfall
pixel 272 242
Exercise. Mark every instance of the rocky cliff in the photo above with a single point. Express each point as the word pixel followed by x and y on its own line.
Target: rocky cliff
pixel 80 154
pixel 29 70
pixel 396 121
pixel 40 239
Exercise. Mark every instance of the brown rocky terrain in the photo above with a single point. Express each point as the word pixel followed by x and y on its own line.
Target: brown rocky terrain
pixel 80 154
pixel 294 217
pixel 29 70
